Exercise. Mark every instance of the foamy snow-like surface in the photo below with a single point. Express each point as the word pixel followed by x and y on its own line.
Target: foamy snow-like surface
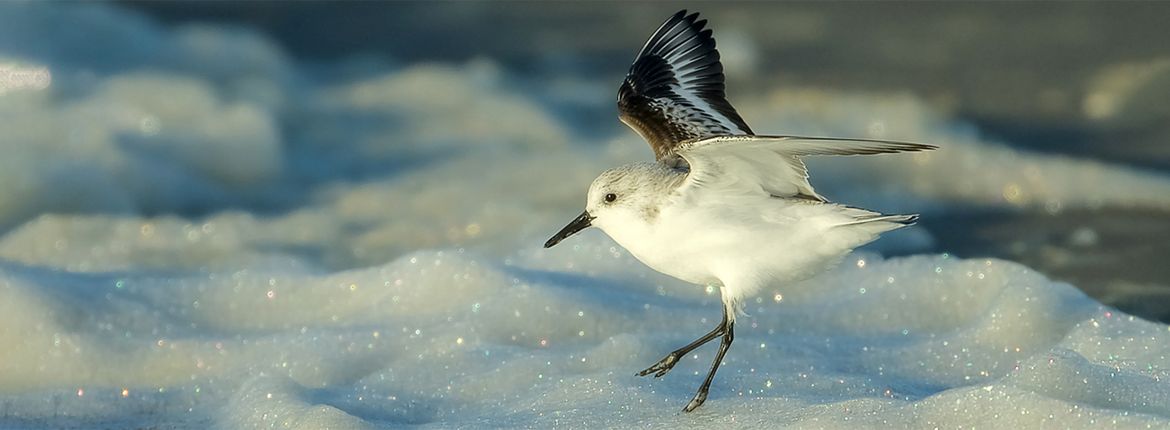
pixel 448 338
pixel 363 252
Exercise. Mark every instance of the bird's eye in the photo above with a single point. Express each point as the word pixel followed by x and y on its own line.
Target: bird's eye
pixel 609 198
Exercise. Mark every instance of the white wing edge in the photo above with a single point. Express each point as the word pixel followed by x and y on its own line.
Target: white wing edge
pixel 788 149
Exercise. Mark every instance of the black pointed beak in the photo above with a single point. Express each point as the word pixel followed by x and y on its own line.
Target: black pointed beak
pixel 578 224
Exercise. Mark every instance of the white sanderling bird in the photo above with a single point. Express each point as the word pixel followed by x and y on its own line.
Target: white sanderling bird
pixel 721 206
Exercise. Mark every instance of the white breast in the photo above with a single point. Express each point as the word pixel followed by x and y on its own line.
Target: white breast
pixel 662 244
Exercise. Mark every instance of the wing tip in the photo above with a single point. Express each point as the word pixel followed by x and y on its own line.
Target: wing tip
pixel 682 15
pixel 678 23
pixel 886 146
pixel 920 146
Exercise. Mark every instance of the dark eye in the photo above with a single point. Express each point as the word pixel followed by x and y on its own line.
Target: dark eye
pixel 609 198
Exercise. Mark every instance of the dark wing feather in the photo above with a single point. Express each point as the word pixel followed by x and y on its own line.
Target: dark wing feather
pixel 674 91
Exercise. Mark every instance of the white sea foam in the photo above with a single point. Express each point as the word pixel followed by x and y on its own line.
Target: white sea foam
pixel 455 339
pixel 365 254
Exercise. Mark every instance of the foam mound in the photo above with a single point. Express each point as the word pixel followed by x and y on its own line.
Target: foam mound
pixel 198 232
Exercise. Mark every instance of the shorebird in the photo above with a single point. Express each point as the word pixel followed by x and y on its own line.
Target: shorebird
pixel 720 205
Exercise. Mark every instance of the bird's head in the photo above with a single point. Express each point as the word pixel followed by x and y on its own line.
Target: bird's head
pixel 620 197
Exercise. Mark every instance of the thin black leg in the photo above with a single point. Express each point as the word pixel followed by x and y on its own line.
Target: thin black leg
pixel 701 395
pixel 666 363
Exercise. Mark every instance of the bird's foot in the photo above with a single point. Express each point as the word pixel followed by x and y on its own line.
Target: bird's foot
pixel 662 366
pixel 700 397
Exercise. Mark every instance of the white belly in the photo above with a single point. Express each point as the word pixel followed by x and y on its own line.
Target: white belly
pixel 740 250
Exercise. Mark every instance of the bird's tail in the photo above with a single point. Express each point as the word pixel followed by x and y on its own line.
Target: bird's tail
pixel 904 220
pixel 870 224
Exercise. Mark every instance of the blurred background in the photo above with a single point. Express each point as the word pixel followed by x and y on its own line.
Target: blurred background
pixel 337 135
pixel 330 215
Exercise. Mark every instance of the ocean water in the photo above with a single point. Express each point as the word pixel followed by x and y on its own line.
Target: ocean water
pixel 201 227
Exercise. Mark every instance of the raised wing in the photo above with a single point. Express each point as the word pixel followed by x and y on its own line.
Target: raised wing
pixel 674 90
pixel 771 164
